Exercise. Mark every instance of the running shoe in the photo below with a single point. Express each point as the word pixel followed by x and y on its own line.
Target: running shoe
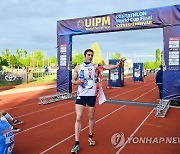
pixel 15 130
pixel 91 142
pixel 17 122
pixel 75 149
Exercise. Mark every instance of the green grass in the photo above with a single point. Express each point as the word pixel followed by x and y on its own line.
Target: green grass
pixel 9 83
pixel 45 78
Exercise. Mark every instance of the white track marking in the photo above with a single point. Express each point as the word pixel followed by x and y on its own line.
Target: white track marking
pixel 43 109
pixel 45 123
pixel 105 93
pixel 81 130
pixel 71 101
pixel 67 138
pixel 135 132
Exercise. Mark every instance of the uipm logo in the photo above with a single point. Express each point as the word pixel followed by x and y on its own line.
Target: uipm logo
pixel 95 23
pixel 80 24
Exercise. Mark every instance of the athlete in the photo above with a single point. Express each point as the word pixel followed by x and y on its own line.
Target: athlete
pixel 85 76
pixel 6 136
pixel 14 122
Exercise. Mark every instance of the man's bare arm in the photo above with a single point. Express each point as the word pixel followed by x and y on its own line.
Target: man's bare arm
pixel 75 76
pixel 110 67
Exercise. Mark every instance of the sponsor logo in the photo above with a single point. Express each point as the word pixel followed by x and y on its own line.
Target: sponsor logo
pixel 98 23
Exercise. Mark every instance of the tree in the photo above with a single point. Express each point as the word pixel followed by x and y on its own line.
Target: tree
pixel 13 61
pixel 151 65
pixel 3 62
pixel 97 54
pixel 19 57
pixel 158 55
pixel 162 57
pixel 6 55
pixel 53 61
pixel 27 60
pixel 38 58
pixel 77 59
pixel 116 56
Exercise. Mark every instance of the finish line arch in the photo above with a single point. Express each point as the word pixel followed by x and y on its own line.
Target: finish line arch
pixel 167 18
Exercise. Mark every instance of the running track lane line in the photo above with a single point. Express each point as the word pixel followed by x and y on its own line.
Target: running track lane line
pixel 43 109
pixel 81 130
pixel 104 92
pixel 118 152
pixel 95 122
pixel 73 101
pixel 67 115
pixel 45 123
pixel 135 98
pixel 144 94
pixel 61 116
pixel 130 138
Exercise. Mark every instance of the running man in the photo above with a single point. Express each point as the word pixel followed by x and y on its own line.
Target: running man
pixel 85 76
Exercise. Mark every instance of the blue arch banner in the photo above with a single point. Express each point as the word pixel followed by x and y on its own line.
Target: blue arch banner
pixel 149 18
pixel 167 18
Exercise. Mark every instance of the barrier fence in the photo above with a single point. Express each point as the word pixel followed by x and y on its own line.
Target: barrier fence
pixel 26 77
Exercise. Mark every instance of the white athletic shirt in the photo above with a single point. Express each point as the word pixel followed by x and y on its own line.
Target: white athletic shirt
pixel 144 72
pixel 89 86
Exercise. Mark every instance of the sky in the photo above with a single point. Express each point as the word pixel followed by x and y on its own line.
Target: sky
pixel 31 25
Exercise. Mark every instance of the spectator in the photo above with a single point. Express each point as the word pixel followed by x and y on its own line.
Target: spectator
pixel 159 81
pixel 46 70
pixel 144 74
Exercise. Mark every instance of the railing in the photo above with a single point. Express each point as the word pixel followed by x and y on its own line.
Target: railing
pixel 21 76
pixel 56 98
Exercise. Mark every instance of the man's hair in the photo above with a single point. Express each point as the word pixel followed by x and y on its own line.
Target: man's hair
pixel 161 66
pixel 88 50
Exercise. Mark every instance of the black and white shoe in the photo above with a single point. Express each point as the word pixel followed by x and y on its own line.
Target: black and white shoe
pixel 17 122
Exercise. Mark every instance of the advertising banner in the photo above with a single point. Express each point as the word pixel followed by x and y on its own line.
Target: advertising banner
pixel 64 72
pixel 140 19
pixel 137 71
pixel 171 73
pixel 116 76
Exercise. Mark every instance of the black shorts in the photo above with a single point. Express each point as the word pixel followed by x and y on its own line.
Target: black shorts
pixel 83 100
